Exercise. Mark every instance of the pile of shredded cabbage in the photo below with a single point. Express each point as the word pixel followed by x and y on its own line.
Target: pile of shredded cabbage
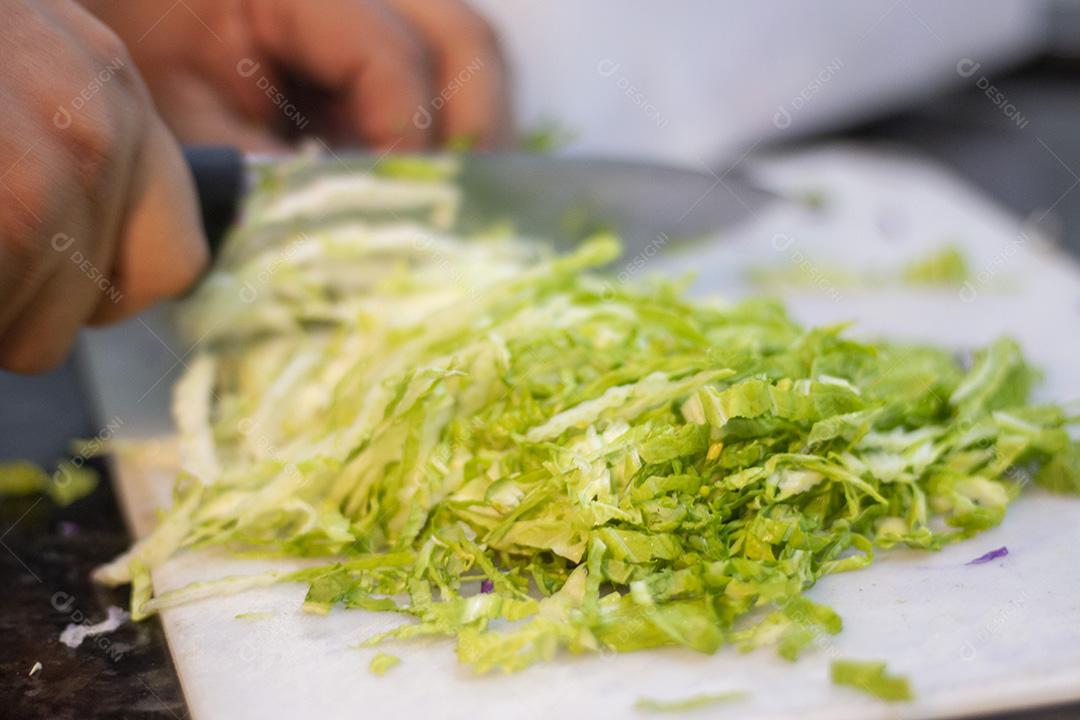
pixel 527 456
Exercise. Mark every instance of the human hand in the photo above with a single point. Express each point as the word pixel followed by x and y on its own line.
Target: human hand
pixel 401 74
pixel 97 210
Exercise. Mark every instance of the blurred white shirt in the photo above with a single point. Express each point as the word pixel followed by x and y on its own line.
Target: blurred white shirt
pixel 699 80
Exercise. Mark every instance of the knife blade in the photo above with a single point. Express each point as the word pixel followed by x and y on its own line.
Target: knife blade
pixel 558 198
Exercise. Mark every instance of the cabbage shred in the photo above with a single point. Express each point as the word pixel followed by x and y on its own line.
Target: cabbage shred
pixel 626 468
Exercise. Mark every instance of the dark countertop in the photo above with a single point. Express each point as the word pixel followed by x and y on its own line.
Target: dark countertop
pixel 46 554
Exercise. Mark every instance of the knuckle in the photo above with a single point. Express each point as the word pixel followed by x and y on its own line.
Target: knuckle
pixel 24 247
pixel 113 74
pixel 99 126
pixel 93 136
pixel 107 47
pixel 93 144
pixel 99 142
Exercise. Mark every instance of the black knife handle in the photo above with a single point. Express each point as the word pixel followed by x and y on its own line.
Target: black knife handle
pixel 218 171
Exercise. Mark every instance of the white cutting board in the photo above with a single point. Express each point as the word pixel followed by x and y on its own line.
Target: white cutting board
pixel 971 638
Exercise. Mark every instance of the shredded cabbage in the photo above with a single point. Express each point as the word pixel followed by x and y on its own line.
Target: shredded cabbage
pixel 623 468
pixel 71 481
pixel 870 677
pixel 690 703
pixel 382 663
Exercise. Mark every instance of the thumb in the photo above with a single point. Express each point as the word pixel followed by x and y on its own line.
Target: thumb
pixel 162 249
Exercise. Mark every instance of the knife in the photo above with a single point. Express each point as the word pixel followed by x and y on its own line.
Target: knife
pixel 554 197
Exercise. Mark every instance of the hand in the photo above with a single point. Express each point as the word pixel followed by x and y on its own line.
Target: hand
pixel 97 210
pixel 401 74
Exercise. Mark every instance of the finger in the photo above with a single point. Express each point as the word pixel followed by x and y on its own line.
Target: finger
pixel 28 197
pixel 214 93
pixel 162 248
pixel 199 114
pixel 360 50
pixel 43 333
pixel 53 260
pixel 470 75
pixel 67 189
pixel 58 279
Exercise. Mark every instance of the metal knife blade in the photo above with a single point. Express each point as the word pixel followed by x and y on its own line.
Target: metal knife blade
pixel 557 198
pixel 565 198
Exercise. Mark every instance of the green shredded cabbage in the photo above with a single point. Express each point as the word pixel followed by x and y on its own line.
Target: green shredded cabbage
pixel 871 678
pixel 690 703
pixel 18 479
pixel 621 467
pixel 70 481
pixel 383 663
pixel 547 136
pixel 943 266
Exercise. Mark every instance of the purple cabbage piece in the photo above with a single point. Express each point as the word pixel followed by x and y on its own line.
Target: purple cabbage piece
pixel 487 586
pixel 992 555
